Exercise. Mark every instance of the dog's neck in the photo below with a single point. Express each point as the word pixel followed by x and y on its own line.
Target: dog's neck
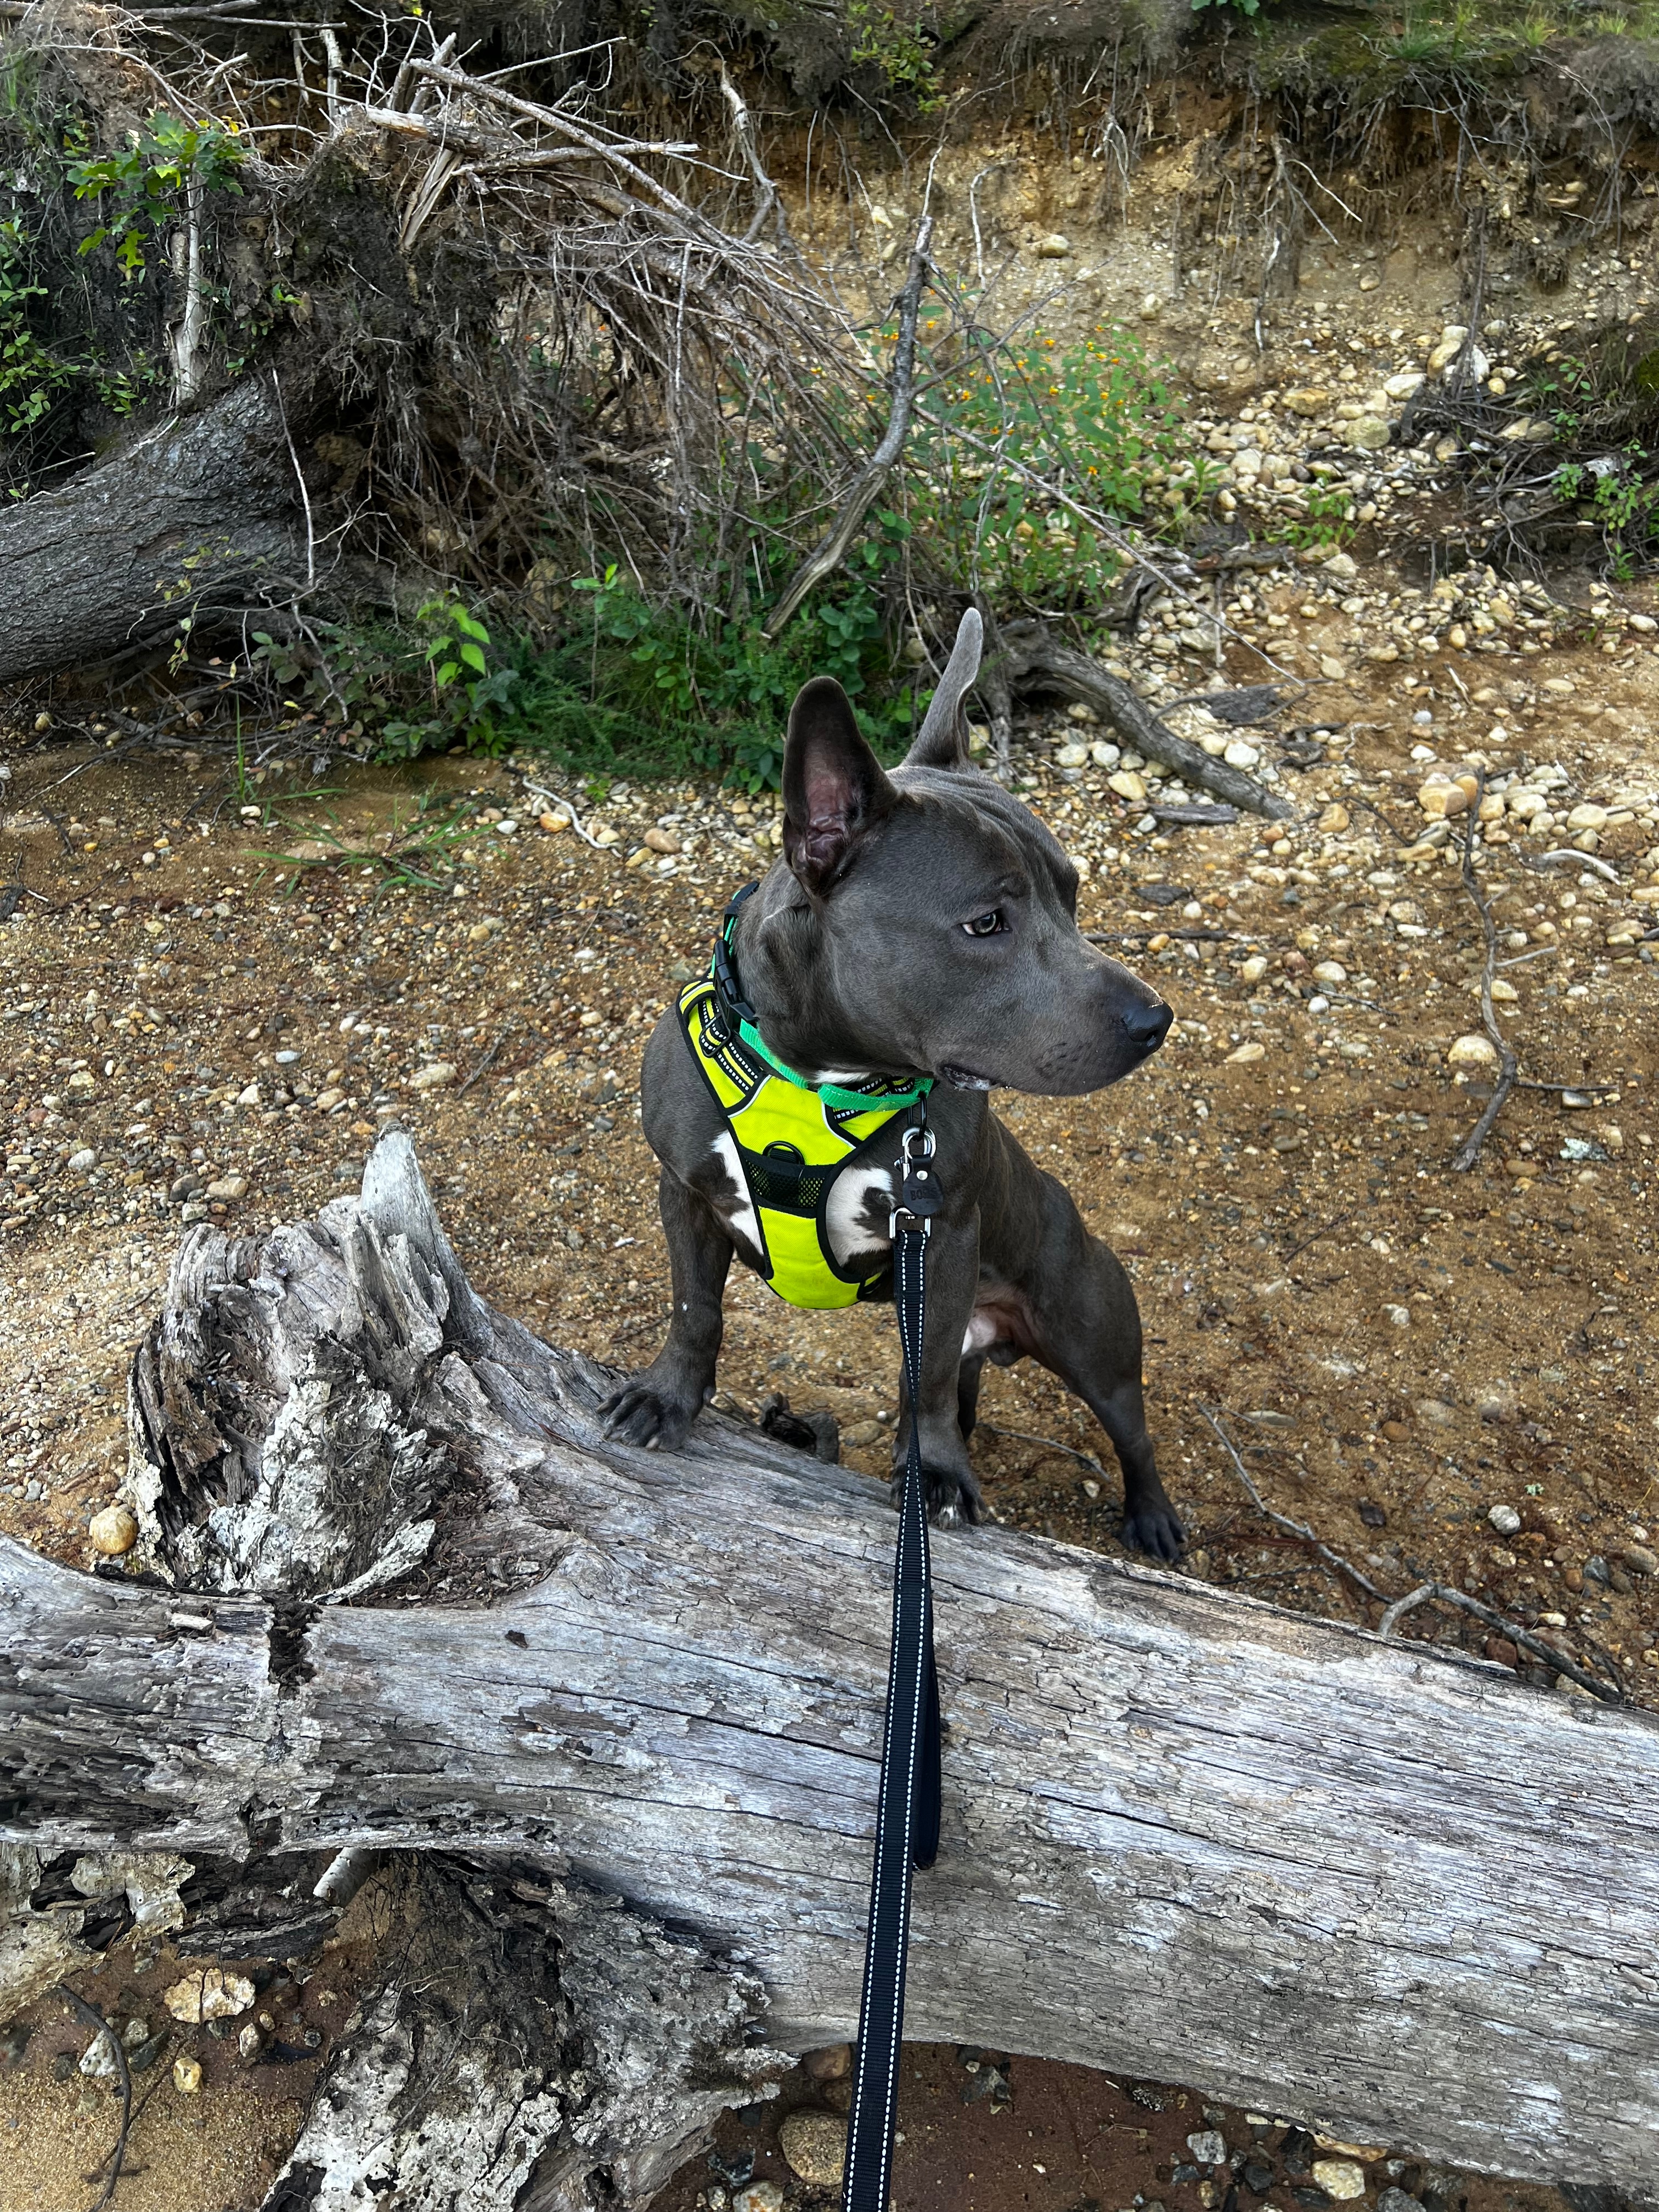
pixel 787 979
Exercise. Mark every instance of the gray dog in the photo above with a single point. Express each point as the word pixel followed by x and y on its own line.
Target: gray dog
pixel 919 925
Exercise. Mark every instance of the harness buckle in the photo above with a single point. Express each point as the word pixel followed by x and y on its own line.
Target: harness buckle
pixel 919 1196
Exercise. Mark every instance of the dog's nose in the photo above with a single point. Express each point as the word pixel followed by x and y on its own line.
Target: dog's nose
pixel 1148 1026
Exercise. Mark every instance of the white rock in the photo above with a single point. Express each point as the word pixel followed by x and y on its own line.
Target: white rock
pixel 1472 1052
pixel 758 2197
pixel 1104 755
pixel 83 1162
pixel 209 1993
pixel 1505 1519
pixel 1399 1316
pixel 1403 385
pixel 1240 753
pixel 114 1531
pixel 1252 971
pixel 227 1187
pixel 1330 971
pixel 1128 785
pixel 1253 1048
pixel 1339 2178
pixel 434 1077
pixel 1072 755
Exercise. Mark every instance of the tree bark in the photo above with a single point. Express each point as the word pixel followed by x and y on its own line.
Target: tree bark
pixel 197 510
pixel 1388 1890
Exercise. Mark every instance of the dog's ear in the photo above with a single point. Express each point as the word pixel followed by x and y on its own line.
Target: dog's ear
pixel 942 740
pixel 834 789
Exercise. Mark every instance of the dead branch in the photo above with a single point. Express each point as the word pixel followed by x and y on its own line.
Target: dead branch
pixel 1035 658
pixel 1299 1529
pixel 832 549
pixel 94 2020
pixel 1509 1062
pixel 1442 1593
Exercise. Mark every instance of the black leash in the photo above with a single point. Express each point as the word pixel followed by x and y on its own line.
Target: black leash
pixel 907 1811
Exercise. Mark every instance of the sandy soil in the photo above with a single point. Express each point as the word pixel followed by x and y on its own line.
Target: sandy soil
pixel 189 1028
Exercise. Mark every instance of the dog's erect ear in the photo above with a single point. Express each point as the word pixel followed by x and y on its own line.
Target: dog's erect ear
pixel 834 790
pixel 942 740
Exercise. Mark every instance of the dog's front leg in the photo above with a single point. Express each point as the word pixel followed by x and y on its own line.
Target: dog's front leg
pixel 659 1405
pixel 953 1276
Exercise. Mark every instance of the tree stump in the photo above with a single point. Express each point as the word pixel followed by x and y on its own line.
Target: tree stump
pixel 607 1724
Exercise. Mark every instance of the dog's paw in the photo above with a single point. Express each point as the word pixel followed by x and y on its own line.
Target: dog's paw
pixel 954 1498
pixel 1156 1529
pixel 642 1413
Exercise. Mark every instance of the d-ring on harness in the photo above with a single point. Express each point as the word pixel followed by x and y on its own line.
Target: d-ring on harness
pixel 907 1809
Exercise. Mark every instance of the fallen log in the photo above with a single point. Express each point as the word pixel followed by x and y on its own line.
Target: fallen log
pixel 199 511
pixel 1383 1889
pixel 1035 660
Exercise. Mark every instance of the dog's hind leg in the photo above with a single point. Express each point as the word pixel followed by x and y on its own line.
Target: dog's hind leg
pixel 968 1376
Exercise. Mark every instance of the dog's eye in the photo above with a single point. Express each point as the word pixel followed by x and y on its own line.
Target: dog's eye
pixel 986 925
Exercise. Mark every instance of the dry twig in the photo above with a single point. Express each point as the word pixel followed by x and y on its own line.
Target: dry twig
pixel 94 2019
pixel 1508 1063
pixel 1430 1592
pixel 828 555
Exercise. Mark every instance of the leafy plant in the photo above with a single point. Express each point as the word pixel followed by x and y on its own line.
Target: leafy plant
pixel 143 187
pixel 31 377
pixel 1328 513
pixel 638 686
pixel 1094 417
pixel 899 45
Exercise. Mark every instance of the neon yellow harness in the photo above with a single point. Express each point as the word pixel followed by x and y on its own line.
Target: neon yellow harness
pixel 793 1138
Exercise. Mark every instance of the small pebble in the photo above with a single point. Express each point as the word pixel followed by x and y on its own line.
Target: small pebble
pixel 209 1994
pixel 815 2144
pixel 1505 1519
pixel 186 2075
pixel 1339 2178
pixel 758 2197
pixel 114 1531
pixel 1208 2147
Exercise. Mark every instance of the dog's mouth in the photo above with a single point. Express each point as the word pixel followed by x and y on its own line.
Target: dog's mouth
pixel 962 1078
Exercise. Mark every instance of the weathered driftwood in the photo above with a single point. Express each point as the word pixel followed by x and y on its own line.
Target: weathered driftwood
pixel 1185 1834
pixel 1036 661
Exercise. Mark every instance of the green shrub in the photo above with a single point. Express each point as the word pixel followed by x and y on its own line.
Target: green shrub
pixel 640 688
pixel 1094 418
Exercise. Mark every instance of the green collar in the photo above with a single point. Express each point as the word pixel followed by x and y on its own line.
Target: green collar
pixel 723 968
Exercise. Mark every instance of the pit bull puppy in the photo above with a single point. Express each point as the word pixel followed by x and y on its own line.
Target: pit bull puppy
pixel 918 924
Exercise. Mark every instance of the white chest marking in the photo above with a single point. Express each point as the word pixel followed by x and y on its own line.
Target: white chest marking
pixel 734 1206
pixel 849 1195
pixel 982 1331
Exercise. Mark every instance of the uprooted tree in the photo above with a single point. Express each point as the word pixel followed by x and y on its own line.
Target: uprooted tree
pixel 315 350
pixel 604 1725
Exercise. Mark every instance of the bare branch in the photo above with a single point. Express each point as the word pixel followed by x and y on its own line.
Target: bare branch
pixel 832 551
pixel 1508 1062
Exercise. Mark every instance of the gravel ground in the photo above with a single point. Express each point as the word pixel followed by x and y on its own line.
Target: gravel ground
pixel 1444 1375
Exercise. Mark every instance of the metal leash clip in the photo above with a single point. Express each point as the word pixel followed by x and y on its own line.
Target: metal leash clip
pixel 919 1197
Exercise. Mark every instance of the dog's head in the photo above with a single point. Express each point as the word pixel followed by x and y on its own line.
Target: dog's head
pixel 946 911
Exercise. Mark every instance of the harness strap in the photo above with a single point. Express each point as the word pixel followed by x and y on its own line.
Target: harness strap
pixel 909 1807
pixel 837 1096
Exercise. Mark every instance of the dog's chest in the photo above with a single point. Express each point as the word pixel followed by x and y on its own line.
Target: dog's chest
pixel 857 1212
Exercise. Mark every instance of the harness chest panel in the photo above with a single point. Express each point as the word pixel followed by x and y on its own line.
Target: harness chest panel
pixel 792 1144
